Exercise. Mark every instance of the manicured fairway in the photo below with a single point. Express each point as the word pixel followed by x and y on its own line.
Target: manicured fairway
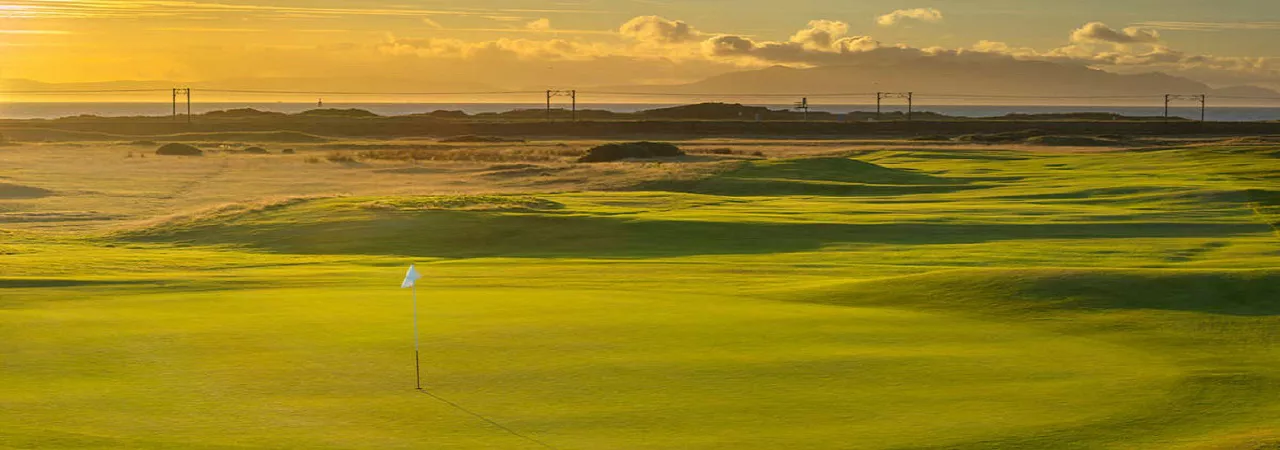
pixel 590 369
pixel 897 299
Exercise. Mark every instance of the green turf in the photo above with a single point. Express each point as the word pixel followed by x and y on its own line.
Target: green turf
pixel 901 299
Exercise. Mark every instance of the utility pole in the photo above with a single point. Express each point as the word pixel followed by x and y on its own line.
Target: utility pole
pixel 1202 98
pixel 573 99
pixel 803 105
pixel 909 96
pixel 186 92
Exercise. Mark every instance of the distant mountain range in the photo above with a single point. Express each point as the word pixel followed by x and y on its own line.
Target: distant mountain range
pixel 934 80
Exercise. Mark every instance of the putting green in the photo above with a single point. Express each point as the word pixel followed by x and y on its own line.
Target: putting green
pixel 578 369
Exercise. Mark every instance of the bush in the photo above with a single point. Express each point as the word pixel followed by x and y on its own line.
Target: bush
pixel 288 151
pixel 339 157
pixel 256 151
pixel 628 150
pixel 175 149
pixel 1008 136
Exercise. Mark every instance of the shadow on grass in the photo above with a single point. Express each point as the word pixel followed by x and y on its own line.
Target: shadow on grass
pixel 819 176
pixel 466 234
pixel 15 283
pixel 1022 291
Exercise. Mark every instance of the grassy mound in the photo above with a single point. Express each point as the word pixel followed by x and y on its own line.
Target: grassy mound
pixel 463 203
pixel 349 113
pixel 1246 293
pixel 57 135
pixel 250 136
pixel 1252 140
pixel 471 138
pixel 256 151
pixel 998 138
pixel 1072 141
pixel 9 191
pixel 242 113
pixel 630 150
pixel 814 176
pixel 177 149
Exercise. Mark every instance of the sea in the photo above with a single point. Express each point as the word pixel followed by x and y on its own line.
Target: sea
pixel 57 110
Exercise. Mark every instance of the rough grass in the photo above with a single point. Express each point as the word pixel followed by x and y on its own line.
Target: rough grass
pixel 912 298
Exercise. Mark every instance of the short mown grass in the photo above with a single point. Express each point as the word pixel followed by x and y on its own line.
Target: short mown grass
pixel 895 299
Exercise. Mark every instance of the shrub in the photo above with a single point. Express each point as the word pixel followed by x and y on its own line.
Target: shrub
pixel 339 157
pixel 288 151
pixel 628 150
pixel 1008 136
pixel 256 151
pixel 176 149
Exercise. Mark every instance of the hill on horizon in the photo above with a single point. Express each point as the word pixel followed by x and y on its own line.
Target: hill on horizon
pixel 958 80
pixel 1006 81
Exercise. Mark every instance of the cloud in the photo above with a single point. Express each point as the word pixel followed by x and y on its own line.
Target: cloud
pixel 432 23
pixel 504 48
pixel 678 51
pixel 1209 26
pixel 917 14
pixel 543 24
pixel 821 43
pixel 820 34
pixel 1100 32
pixel 132 9
pixel 1140 50
pixel 40 32
pixel 658 30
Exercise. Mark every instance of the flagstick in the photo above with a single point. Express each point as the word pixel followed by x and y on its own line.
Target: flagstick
pixel 417 365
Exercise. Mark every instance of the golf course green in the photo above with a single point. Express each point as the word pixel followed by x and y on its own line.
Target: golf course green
pixel 930 298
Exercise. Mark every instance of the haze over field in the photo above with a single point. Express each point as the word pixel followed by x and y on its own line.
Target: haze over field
pixel 986 47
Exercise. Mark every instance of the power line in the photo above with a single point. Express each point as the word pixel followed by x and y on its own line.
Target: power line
pixel 1077 97
pixel 1244 97
pixel 740 95
pixel 87 91
pixel 258 91
pixel 619 94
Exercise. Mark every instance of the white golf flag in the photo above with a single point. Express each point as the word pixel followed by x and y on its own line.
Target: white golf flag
pixel 410 277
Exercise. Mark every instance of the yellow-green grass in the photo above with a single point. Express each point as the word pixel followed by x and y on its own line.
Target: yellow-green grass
pixel 932 298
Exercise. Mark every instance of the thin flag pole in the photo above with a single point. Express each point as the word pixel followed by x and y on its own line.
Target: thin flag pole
pixel 411 281
pixel 417 362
